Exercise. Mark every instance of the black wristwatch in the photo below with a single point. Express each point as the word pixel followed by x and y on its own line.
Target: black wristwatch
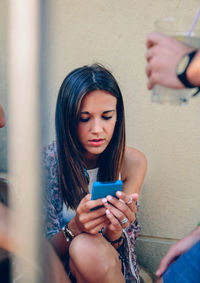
pixel 69 235
pixel 182 67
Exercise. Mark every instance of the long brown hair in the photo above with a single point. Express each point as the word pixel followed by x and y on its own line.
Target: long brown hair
pixel 72 179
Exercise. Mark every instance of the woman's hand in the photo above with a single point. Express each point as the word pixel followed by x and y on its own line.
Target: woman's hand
pixel 87 220
pixel 120 212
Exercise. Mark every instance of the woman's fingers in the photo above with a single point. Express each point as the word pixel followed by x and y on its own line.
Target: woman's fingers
pixel 86 204
pixel 129 200
pixel 126 198
pixel 123 209
pixel 114 222
pixel 92 222
pixel 132 202
pixel 91 215
pixel 95 225
pixel 121 212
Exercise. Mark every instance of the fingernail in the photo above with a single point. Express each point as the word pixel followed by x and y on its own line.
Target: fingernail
pixel 104 200
pixel 119 193
pixel 107 211
pixel 109 197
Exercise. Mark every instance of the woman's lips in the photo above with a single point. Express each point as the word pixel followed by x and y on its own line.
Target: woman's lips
pixel 96 142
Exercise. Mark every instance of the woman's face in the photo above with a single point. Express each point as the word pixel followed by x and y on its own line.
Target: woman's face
pixel 96 124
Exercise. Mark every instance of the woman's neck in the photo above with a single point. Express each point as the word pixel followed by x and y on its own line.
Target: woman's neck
pixel 90 162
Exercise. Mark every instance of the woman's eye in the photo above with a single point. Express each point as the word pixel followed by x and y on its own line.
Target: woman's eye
pixel 83 119
pixel 107 117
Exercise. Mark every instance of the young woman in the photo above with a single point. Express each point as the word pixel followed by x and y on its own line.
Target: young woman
pixel 96 245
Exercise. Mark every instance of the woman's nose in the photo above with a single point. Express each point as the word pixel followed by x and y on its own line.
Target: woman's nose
pixel 96 126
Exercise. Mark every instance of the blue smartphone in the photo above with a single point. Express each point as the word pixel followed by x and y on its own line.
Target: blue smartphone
pixel 103 189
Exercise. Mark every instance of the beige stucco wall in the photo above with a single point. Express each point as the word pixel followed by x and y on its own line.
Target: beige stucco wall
pixel 113 32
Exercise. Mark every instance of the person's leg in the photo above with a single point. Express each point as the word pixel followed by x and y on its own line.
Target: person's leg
pixel 93 259
pixel 186 269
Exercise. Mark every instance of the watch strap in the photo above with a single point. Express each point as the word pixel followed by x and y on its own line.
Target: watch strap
pixel 182 77
pixel 69 235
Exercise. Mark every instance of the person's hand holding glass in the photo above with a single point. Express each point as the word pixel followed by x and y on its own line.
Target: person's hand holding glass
pixel 165 50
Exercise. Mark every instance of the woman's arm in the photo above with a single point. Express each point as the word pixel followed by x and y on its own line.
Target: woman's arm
pixel 133 170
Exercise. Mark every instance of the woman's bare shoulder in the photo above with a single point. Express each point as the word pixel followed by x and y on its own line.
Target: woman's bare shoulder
pixel 134 157
pixel 133 170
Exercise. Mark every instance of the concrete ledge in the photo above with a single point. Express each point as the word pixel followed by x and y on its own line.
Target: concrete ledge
pixel 145 276
pixel 150 251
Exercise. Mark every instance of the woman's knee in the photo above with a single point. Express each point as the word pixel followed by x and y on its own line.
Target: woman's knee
pixel 89 251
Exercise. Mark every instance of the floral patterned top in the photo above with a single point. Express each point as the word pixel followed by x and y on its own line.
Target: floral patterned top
pixel 54 216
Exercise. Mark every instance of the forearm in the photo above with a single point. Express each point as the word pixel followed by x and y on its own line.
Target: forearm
pixel 189 241
pixel 195 235
pixel 193 71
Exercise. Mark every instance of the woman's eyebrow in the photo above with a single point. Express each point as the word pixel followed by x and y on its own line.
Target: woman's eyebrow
pixel 104 112
pixel 108 111
pixel 85 112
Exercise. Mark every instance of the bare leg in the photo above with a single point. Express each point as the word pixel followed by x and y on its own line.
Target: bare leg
pixel 93 259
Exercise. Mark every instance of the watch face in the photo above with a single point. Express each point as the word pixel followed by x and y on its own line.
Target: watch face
pixel 182 64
